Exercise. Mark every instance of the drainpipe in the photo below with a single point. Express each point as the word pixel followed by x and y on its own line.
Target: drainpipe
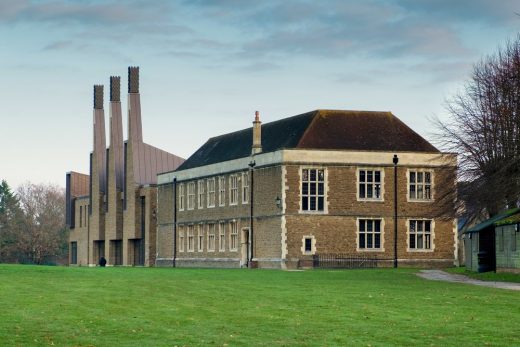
pixel 395 161
pixel 174 221
pixel 251 197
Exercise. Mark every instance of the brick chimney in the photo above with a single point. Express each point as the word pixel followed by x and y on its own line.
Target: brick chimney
pixel 99 140
pixel 257 135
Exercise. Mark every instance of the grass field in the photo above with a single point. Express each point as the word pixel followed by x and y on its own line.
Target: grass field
pixel 168 307
pixel 487 276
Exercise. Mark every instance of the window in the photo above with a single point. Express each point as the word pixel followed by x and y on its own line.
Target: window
pixel 181 239
pixel 233 189
pixel 313 190
pixel 308 245
pixel 222 237
pixel 73 252
pixel 211 237
pixel 420 234
pixel 211 192
pixel 233 244
pixel 181 197
pixel 201 193
pixel 191 238
pixel 245 187
pixel 370 184
pixel 80 217
pixel 420 185
pixel 221 191
pixel 191 195
pixel 369 234
pixel 200 237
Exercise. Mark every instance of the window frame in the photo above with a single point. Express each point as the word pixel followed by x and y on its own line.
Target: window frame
pixel 222 190
pixel 317 195
pixel 304 250
pixel 381 234
pixel 211 193
pixel 190 235
pixel 211 235
pixel 200 237
pixel 423 184
pixel 191 195
pixel 233 190
pixel 221 237
pixel 431 233
pixel 245 188
pixel 233 236
pixel 373 183
pixel 181 197
pixel 181 238
pixel 200 194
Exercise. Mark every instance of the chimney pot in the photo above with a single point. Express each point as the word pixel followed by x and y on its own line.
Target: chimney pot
pixel 115 88
pixel 98 97
pixel 133 79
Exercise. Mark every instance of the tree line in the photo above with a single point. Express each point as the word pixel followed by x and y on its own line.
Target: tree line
pixel 32 224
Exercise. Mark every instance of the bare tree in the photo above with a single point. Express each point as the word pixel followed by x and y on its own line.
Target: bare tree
pixel 484 129
pixel 42 237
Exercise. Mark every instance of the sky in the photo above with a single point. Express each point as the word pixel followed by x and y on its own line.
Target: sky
pixel 207 66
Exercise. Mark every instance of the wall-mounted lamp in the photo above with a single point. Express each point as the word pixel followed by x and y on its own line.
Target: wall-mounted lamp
pixel 278 202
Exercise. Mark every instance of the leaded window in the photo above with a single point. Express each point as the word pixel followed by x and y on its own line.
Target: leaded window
pixel 420 234
pixel 420 186
pixel 313 190
pixel 369 233
pixel 370 183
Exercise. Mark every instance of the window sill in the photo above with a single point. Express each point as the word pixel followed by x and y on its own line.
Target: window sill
pixel 419 250
pixel 420 200
pixel 370 200
pixel 312 212
pixel 376 250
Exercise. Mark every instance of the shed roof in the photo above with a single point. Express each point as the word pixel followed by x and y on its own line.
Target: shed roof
pixel 492 221
pixel 319 129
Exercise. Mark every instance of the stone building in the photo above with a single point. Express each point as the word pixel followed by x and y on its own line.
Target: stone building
pixel 281 194
pixel 111 213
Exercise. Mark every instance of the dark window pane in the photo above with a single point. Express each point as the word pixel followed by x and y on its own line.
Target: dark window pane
pixel 412 191
pixel 320 203
pixel 370 177
pixel 427 226
pixel 369 191
pixel 377 193
pixel 377 241
pixel 412 177
pixel 362 225
pixel 412 240
pixel 321 175
pixel 313 203
pixel 308 244
pixel 305 203
pixel 427 177
pixel 370 226
pixel 427 192
pixel 321 189
pixel 361 240
pixel 369 241
pixel 377 226
pixel 305 188
pixel 419 177
pixel 313 175
pixel 377 176
pixel 419 226
pixel 420 191
pixel 362 193
pixel 313 188
pixel 305 175
pixel 362 176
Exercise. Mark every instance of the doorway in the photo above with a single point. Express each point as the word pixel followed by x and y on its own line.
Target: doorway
pixel 245 249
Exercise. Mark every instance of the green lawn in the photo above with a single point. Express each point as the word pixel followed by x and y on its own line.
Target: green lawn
pixel 487 276
pixel 168 307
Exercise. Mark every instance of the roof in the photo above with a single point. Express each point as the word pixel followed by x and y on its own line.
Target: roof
pixel 514 219
pixel 319 129
pixel 492 221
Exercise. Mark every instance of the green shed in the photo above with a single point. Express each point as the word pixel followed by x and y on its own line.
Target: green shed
pixel 507 244
pixel 480 243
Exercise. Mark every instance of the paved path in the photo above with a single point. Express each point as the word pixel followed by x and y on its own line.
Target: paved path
pixel 438 275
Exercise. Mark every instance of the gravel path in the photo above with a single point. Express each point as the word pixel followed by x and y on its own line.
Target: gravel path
pixel 438 275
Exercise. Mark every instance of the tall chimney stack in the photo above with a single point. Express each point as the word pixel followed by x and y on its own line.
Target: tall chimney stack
pixel 135 132
pixel 99 150
pixel 257 135
pixel 116 131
